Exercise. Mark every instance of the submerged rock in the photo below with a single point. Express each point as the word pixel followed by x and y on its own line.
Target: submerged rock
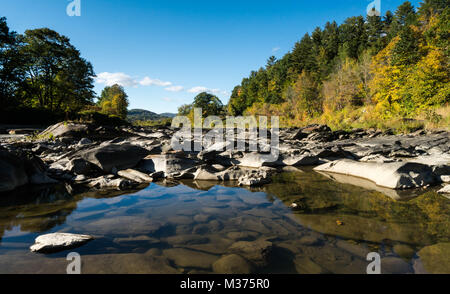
pixel 397 175
pixel 258 251
pixel 58 242
pixel 434 259
pixel 232 264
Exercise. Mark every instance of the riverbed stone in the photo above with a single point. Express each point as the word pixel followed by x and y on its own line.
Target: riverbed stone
pixel 258 251
pixel 232 264
pixel 189 258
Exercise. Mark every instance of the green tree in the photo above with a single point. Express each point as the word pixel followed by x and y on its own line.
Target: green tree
pixel 57 78
pixel 210 104
pixel 114 101
pixel 11 72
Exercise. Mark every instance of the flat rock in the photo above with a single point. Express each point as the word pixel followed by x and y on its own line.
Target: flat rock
pixel 396 175
pixel 445 190
pixel 58 242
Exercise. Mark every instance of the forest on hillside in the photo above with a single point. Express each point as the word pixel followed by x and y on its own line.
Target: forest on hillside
pixel 372 71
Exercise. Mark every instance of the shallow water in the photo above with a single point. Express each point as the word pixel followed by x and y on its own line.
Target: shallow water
pixel 184 227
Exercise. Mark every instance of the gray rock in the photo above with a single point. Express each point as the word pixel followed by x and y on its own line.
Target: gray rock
pixel 12 172
pixel 135 176
pixel 106 182
pixel 63 129
pixel 84 141
pixel 114 156
pixel 58 242
pixel 398 175
pixel 445 190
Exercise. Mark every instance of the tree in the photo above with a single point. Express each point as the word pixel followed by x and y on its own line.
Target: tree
pixel 114 101
pixel 406 50
pixel 307 92
pixel 184 109
pixel 432 7
pixel 56 77
pixel 11 72
pixel 210 104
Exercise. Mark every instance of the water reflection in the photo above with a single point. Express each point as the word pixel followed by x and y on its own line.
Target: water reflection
pixel 187 226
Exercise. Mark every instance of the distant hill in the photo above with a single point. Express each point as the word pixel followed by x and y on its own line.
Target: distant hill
pixel 167 114
pixel 145 115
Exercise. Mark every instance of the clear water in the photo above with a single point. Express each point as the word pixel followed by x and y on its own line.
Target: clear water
pixel 184 227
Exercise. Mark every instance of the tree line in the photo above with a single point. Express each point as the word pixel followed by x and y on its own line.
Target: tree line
pixel 44 78
pixel 367 68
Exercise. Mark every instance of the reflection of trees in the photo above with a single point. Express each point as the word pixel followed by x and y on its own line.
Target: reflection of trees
pixel 40 208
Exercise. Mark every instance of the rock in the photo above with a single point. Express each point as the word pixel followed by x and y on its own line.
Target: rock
pixel 58 242
pixel 255 160
pixel 306 266
pixel 203 174
pixel 445 190
pixel 255 178
pixel 105 182
pixel 12 172
pixel 299 160
pixel 258 251
pixel 190 258
pixel 434 259
pixel 397 175
pixel 167 163
pixel 79 166
pixel 135 176
pixel 232 264
pixel 63 129
pixel 309 240
pixel 84 141
pixel 394 265
pixel 404 251
pixel 114 156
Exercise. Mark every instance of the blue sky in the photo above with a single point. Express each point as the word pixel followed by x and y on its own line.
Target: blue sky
pixel 165 51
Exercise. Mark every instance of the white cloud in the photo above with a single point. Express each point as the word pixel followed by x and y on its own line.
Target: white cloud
pixel 175 88
pixel 196 90
pixel 167 99
pixel 199 89
pixel 154 82
pixel 120 78
pixel 276 49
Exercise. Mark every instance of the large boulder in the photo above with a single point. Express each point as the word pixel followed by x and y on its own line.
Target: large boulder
pixel 12 172
pixel 64 129
pixel 114 156
pixel 170 164
pixel 19 170
pixel 395 175
pixel 58 242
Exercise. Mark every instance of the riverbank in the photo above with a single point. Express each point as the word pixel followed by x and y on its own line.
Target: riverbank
pixel 102 157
